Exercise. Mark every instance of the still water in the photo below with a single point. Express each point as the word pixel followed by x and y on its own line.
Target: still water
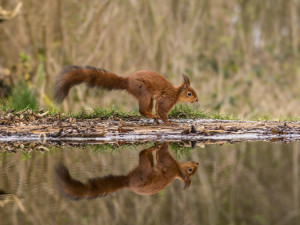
pixel 150 183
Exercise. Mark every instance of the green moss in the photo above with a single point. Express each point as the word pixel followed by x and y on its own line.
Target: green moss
pixel 184 111
pixel 181 111
pixel 105 113
pixel 264 117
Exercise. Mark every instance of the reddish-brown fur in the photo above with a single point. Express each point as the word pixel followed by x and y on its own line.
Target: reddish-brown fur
pixel 145 179
pixel 146 86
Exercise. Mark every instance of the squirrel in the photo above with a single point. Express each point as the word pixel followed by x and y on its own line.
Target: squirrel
pixel 145 179
pixel 146 86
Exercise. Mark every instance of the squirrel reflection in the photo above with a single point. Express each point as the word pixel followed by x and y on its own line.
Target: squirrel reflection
pixel 145 179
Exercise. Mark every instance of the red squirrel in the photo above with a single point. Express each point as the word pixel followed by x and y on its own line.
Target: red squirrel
pixel 146 86
pixel 145 179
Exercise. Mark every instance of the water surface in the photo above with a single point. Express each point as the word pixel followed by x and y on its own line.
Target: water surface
pixel 245 183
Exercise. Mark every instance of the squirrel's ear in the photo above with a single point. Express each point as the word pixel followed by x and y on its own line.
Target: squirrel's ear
pixel 186 79
pixel 186 179
pixel 187 183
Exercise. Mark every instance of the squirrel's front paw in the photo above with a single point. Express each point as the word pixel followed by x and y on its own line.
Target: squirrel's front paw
pixel 170 123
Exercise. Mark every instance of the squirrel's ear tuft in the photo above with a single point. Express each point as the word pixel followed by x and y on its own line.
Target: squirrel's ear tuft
pixel 186 79
pixel 187 183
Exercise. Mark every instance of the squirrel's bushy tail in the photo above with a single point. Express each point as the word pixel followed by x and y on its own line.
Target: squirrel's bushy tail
pixel 95 187
pixel 93 76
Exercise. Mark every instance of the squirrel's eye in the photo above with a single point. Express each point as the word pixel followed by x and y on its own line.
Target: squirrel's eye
pixel 190 170
pixel 189 94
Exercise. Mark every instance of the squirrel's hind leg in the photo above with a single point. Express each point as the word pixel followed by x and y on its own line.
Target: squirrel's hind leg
pixel 145 107
pixel 162 110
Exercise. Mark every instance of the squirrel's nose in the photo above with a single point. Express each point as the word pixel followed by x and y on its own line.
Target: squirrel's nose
pixel 196 99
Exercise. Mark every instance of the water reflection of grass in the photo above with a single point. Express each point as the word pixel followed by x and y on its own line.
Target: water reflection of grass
pixel 112 148
pixel 28 149
pixel 179 149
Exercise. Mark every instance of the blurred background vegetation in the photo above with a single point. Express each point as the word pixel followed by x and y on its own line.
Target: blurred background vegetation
pixel 242 56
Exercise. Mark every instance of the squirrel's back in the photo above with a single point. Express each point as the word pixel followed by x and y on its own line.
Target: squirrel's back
pixel 151 82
